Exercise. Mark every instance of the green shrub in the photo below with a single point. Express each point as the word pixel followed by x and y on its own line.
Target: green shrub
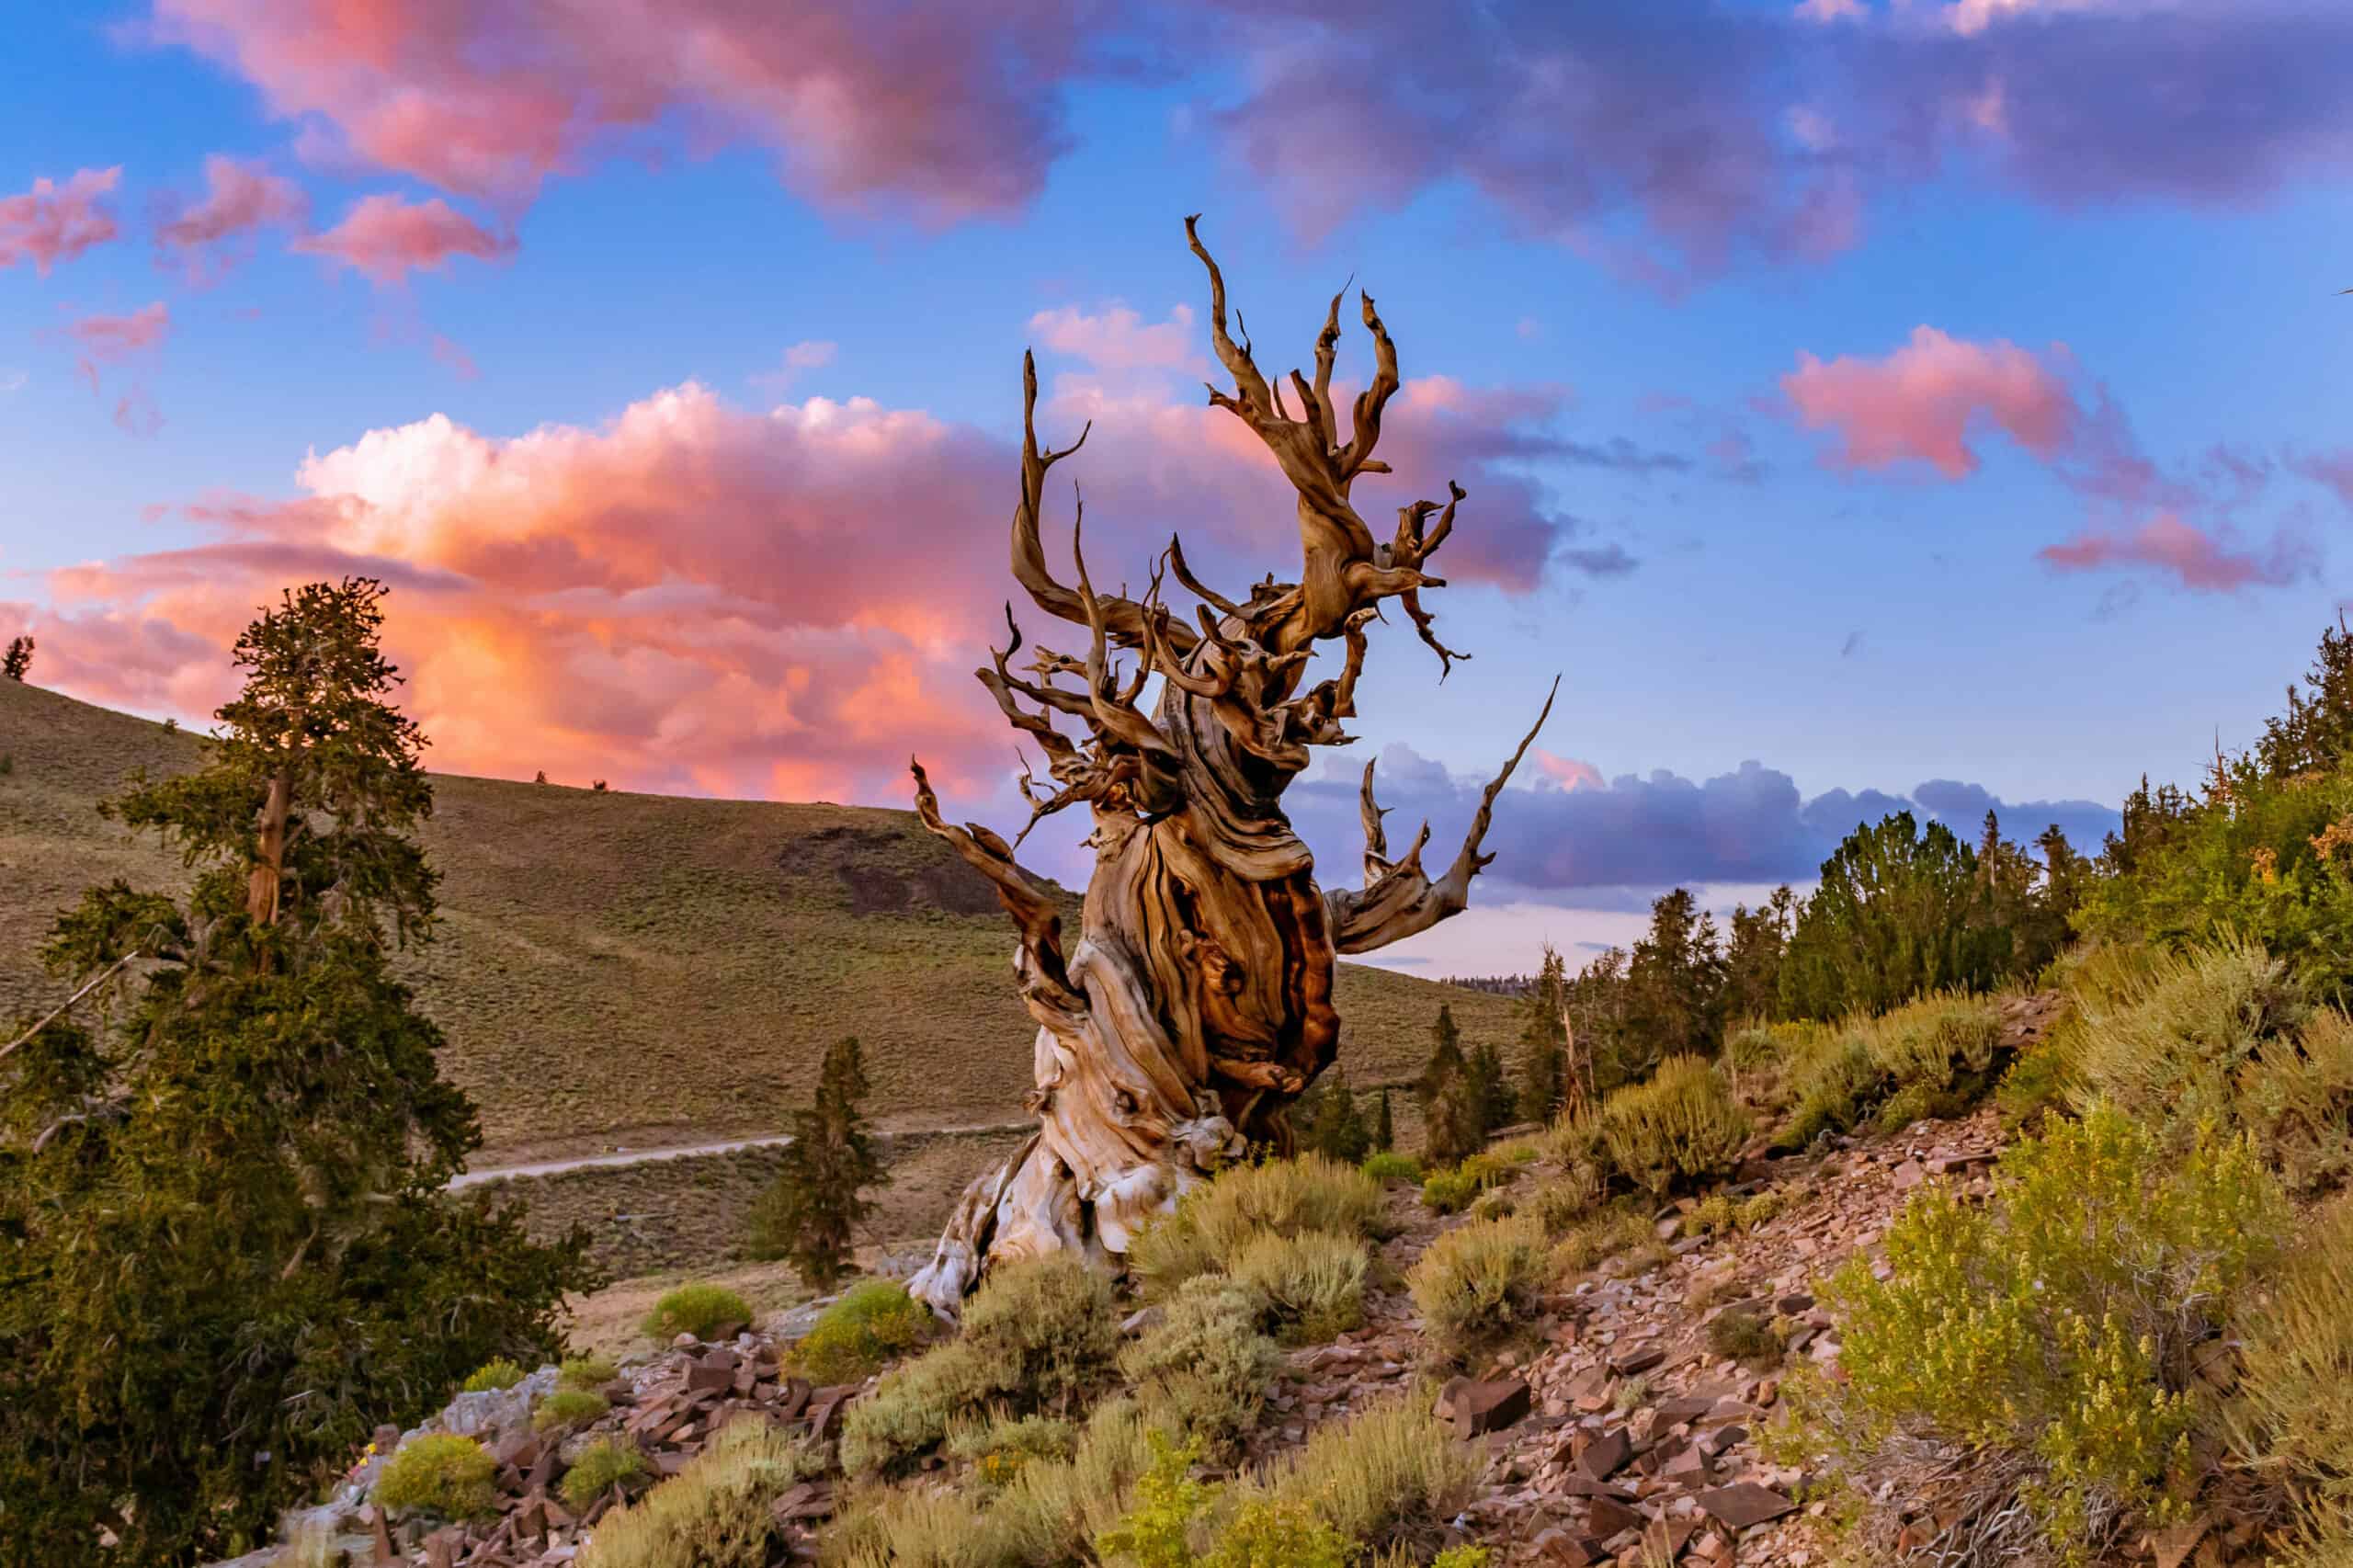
pixel 1759 1206
pixel 1567 1199
pixel 1389 1475
pixel 501 1373
pixel 587 1372
pixel 715 1513
pixel 1450 1191
pixel 1833 1092
pixel 1599 1238
pixel 1679 1127
pixel 2229 1034
pixel 1389 1166
pixel 1743 1336
pixel 1480 1278
pixel 1213 1221
pixel 2051 1329
pixel 1172 1510
pixel 439 1474
pixel 601 1466
pixel 1715 1213
pixel 1037 1334
pixel 1309 1287
pixel 1001 1446
pixel 1046 1329
pixel 874 1322
pixel 2296 1399
pixel 699 1309
pixel 567 1408
pixel 1048 1513
pixel 1202 1370
pixel 909 1411
pixel 1932 1057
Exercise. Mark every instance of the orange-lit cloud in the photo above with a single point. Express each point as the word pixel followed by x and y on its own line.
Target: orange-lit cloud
pixel 697 596
pixel 239 196
pixel 386 238
pixel 54 222
pixel 1924 402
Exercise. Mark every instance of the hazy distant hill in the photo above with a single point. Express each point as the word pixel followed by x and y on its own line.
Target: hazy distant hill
pixel 620 968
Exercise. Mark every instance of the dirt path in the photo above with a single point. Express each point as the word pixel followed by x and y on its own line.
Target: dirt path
pixel 688 1151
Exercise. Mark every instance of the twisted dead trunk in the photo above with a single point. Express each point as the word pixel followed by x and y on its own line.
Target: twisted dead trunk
pixel 1197 1004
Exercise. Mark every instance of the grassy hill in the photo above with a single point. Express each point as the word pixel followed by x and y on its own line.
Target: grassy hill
pixel 641 968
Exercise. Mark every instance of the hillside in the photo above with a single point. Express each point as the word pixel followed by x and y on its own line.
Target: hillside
pixel 633 969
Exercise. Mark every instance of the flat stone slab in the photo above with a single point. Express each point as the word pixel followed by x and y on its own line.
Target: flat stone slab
pixel 1745 1504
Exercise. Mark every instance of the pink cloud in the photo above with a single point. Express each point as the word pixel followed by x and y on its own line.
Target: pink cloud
pixel 1117 339
pixel 698 598
pixel 1569 772
pixel 387 238
pixel 111 340
pixel 2198 559
pixel 239 198
pixel 1924 401
pixel 2333 469
pixel 51 222
pixel 949 110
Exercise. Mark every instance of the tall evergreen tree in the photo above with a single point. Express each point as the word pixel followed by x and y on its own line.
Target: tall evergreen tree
pixel 1674 980
pixel 1491 1088
pixel 1452 1126
pixel 1544 1039
pixel 1753 955
pixel 1336 1125
pixel 18 660
pixel 811 1213
pixel 1384 1130
pixel 2316 733
pixel 226 1250
pixel 1894 918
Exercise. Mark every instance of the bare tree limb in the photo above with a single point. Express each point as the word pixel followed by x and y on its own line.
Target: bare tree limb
pixel 1403 901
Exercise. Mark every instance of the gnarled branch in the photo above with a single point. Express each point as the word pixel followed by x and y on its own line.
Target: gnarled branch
pixel 1034 910
pixel 1403 901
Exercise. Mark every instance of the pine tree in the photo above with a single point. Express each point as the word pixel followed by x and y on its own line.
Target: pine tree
pixel 1337 1130
pixel 1384 1131
pixel 230 1250
pixel 1543 1039
pixel 811 1213
pixel 1491 1088
pixel 1452 1126
pixel 19 659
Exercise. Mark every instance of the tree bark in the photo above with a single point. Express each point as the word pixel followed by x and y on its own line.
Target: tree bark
pixel 1196 1003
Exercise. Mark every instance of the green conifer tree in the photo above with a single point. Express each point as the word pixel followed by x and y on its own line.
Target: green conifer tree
pixel 1491 1088
pixel 1338 1130
pixel 1452 1125
pixel 229 1251
pixel 18 660
pixel 811 1214
pixel 1544 1038
pixel 1384 1130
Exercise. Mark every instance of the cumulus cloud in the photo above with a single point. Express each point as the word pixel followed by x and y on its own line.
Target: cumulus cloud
pixel 385 238
pixel 1582 843
pixel 239 196
pixel 1117 338
pixel 1922 402
pixel 785 602
pixel 54 222
pixel 950 112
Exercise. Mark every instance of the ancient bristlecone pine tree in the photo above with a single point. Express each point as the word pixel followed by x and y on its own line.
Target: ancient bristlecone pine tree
pixel 1196 1003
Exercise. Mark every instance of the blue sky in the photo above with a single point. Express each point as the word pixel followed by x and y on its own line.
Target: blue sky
pixel 1596 233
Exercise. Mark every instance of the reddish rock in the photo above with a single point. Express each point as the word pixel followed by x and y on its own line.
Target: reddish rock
pixel 1609 1517
pixel 1607 1454
pixel 1635 1362
pixel 1745 1504
pixel 1474 1408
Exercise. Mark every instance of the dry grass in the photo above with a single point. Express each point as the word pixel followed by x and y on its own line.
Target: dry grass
pixel 608 1323
pixel 629 969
